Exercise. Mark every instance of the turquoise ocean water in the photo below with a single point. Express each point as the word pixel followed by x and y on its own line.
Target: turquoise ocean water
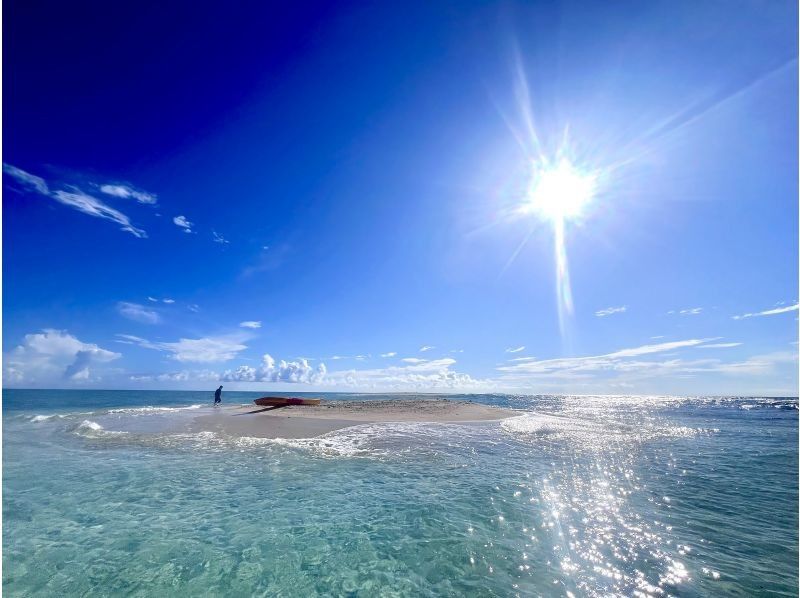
pixel 106 494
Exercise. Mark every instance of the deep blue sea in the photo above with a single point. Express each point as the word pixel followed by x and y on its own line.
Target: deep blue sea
pixel 105 493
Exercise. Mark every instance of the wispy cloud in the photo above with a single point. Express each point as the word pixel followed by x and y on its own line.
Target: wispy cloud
pixel 218 238
pixel 94 207
pixel 197 350
pixel 26 179
pixel 250 324
pixel 515 349
pixel 719 345
pixel 74 198
pixel 183 223
pixel 413 360
pixel 602 313
pixel 181 376
pixel 137 312
pixel 689 311
pixel 51 356
pixel 127 191
pixel 389 354
pixel 193 307
pixel 595 362
pixel 769 312
pixel 426 348
pixel 168 300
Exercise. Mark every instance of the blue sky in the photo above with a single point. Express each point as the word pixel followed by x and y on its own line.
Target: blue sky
pixel 322 197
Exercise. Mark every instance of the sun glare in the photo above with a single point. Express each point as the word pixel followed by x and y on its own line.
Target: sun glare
pixel 559 192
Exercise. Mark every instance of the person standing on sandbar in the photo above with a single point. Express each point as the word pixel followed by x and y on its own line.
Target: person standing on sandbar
pixel 218 396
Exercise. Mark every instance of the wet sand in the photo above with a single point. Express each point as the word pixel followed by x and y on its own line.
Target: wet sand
pixel 298 421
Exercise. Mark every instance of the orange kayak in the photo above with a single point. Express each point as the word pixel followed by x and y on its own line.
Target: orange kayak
pixel 275 401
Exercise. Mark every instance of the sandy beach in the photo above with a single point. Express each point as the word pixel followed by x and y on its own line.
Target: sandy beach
pixel 308 421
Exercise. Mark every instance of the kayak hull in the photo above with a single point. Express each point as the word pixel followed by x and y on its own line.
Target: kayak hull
pixel 277 401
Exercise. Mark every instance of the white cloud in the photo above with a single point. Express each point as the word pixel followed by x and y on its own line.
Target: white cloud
pixel 515 349
pixel 193 307
pixel 609 361
pixel 426 348
pixel 52 356
pixel 428 375
pixel 153 299
pixel 601 313
pixel 126 191
pixel 183 223
pixel 298 372
pixel 719 345
pixel 94 207
pixel 181 376
pixel 691 311
pixel 26 179
pixel 74 198
pixel 250 324
pixel 193 350
pixel 218 238
pixel 389 354
pixel 769 312
pixel 413 360
pixel 168 300
pixel 139 313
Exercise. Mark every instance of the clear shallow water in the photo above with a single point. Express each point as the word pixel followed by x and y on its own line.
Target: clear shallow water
pixel 104 493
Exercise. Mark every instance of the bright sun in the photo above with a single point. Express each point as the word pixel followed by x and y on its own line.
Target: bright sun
pixel 559 191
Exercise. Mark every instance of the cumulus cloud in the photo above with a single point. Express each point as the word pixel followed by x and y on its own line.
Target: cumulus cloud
pixel 193 350
pixel 426 348
pixel 138 313
pixel 295 372
pixel 769 312
pixel 427 375
pixel 602 313
pixel 515 349
pixel 52 356
pixel 183 223
pixel 73 198
pixel 250 324
pixel 127 192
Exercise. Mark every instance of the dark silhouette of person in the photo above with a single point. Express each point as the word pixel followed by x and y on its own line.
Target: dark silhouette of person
pixel 218 396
